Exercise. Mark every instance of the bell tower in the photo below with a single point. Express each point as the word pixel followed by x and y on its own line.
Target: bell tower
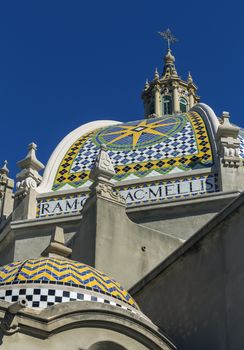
pixel 167 93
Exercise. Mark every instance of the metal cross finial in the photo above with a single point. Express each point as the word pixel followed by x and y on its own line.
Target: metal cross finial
pixel 168 36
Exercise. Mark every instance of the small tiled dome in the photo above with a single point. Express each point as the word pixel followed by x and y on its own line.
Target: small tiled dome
pixel 48 281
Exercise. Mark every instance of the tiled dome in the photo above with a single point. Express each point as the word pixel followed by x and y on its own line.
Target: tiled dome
pixel 48 281
pixel 146 147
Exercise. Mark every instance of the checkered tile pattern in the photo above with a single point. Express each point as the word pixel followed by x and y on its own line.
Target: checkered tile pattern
pixel 41 297
pixel 182 144
pixel 63 271
pixel 184 148
pixel 241 138
pixel 86 157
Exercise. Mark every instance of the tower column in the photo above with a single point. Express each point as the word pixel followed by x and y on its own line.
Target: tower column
pixel 192 90
pixel 157 102
pixel 176 104
pixel 191 100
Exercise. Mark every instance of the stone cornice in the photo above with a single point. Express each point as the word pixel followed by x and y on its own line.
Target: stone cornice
pixel 61 317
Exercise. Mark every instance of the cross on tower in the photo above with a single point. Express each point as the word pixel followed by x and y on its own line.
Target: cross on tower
pixel 168 36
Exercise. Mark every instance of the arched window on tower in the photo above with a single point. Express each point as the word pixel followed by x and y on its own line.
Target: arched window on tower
pixel 151 107
pixel 183 105
pixel 167 105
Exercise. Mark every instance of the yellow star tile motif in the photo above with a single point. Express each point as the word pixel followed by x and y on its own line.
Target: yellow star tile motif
pixel 137 130
pixel 198 149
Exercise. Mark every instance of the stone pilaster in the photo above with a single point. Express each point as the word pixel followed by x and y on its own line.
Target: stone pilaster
pixel 6 193
pixel 100 210
pixel 230 163
pixel 26 182
pixel 101 175
pixel 176 105
pixel 191 99
pixel 157 101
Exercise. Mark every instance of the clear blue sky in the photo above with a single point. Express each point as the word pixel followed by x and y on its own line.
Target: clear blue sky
pixel 64 63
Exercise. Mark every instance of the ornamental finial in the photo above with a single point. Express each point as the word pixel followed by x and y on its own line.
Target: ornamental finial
pixel 156 75
pixel 168 36
pixel 57 247
pixel 189 79
pixel 4 169
pixel 146 85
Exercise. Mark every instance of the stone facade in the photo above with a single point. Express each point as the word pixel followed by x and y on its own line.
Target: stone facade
pixel 148 203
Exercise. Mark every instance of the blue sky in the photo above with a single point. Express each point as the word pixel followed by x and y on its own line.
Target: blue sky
pixel 64 63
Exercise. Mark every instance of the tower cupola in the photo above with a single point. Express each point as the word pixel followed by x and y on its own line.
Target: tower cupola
pixel 167 93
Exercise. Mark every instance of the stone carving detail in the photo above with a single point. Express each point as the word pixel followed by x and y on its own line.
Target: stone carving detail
pixel 104 166
pixel 231 152
pixel 104 161
pixel 156 74
pixel 6 191
pixel 9 324
pixel 106 191
pixel 28 177
pixel 29 182
pixel 3 177
pixel 4 171
pixel 102 174
pixel 228 142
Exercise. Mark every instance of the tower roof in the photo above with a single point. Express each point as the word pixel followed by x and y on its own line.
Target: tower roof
pixel 169 66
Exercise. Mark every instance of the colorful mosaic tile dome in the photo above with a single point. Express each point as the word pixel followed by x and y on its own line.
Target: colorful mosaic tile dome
pixel 48 281
pixel 141 148
pixel 241 138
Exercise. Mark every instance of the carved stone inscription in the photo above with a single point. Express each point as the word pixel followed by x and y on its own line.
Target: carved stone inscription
pixel 161 191
pixel 170 190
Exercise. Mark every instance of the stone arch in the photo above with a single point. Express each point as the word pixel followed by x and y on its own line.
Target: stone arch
pixel 183 105
pixel 167 105
pixel 106 345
